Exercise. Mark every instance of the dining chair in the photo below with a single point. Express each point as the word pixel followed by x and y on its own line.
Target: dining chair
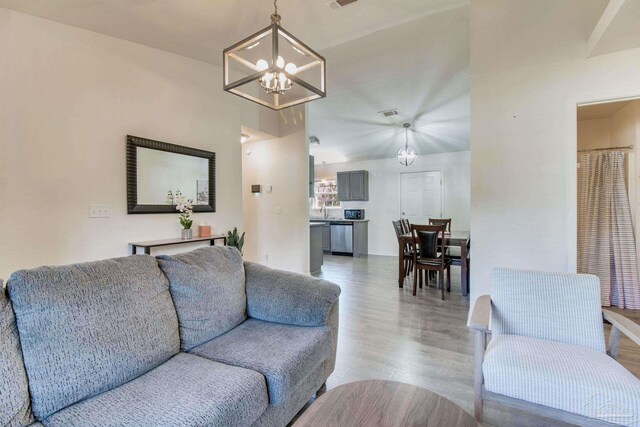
pixel 408 256
pixel 441 221
pixel 428 253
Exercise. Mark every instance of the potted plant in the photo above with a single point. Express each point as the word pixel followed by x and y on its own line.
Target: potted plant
pixel 185 207
pixel 235 240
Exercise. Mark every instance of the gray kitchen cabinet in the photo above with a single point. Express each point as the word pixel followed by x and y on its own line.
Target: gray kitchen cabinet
pixel 343 186
pixel 311 177
pixel 353 186
pixel 326 237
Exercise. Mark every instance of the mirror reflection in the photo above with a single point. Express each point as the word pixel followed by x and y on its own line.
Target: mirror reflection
pixel 164 176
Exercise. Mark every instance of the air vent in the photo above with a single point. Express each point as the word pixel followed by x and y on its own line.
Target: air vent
pixel 337 4
pixel 313 140
pixel 389 113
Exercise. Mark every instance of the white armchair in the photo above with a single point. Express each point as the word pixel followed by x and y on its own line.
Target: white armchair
pixel 547 350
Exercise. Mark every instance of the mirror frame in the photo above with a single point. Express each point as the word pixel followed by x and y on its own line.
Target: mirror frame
pixel 135 142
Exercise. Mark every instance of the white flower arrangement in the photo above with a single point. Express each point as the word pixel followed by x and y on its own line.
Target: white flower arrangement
pixel 185 207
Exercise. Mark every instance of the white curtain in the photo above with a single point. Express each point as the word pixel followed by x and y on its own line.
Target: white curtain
pixel 606 242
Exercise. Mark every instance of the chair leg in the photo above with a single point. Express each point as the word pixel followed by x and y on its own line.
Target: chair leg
pixel 442 283
pixel 449 279
pixel 415 279
pixel 420 276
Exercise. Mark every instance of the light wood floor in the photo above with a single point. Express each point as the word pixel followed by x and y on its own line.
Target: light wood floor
pixel 387 333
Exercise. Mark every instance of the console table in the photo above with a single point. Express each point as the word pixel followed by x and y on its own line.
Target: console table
pixel 176 241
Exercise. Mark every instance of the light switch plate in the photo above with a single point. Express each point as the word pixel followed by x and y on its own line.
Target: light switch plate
pixel 99 211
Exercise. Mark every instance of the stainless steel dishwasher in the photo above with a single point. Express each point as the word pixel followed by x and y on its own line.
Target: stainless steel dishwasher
pixel 342 238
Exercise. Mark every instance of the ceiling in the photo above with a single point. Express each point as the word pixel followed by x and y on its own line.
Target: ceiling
pixel 421 68
pixel 600 111
pixel 201 29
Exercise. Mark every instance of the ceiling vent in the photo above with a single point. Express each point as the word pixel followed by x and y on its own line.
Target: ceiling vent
pixel 313 140
pixel 337 4
pixel 389 113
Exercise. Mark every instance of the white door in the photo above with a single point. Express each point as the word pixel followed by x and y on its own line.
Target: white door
pixel 421 196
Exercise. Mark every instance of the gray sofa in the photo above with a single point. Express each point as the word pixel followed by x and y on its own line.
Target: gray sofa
pixel 196 339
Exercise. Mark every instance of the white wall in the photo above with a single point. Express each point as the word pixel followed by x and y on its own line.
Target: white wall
pixel 68 98
pixel 277 222
pixel 528 71
pixel 384 193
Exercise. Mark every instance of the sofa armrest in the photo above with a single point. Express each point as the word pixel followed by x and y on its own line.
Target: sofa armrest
pixel 291 298
pixel 481 314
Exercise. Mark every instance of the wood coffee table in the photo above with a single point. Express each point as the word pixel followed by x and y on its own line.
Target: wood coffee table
pixel 380 403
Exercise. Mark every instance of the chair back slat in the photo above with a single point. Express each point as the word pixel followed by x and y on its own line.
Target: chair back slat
pixel 441 221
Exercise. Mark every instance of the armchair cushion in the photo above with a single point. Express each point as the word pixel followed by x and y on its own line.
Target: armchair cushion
pixel 554 306
pixel 290 298
pixel 568 377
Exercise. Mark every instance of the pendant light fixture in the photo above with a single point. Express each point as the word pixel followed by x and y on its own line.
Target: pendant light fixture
pixel 274 68
pixel 407 154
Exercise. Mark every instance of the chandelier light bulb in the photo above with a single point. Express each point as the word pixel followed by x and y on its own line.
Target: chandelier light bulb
pixel 280 62
pixel 262 65
pixel 291 68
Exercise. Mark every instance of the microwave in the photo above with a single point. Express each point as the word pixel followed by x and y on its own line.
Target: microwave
pixel 354 214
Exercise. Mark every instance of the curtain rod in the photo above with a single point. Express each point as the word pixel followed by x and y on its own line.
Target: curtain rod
pixel 628 147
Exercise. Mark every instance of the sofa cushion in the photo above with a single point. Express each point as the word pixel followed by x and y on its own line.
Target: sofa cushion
pixel 88 328
pixel 207 286
pixel 284 354
pixel 186 390
pixel 572 378
pixel 15 405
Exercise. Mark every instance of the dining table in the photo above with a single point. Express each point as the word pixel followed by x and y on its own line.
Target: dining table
pixel 451 239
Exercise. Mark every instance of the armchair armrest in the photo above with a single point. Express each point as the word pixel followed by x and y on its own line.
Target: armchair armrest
pixel 620 324
pixel 481 314
pixel 291 298
pixel 480 322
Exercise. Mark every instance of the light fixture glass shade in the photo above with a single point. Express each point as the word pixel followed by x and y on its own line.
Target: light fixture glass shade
pixel 407 155
pixel 274 69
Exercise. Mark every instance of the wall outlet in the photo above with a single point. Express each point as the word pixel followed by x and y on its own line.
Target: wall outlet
pixel 99 211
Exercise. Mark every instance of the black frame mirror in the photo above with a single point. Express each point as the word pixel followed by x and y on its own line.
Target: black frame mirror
pixel 135 142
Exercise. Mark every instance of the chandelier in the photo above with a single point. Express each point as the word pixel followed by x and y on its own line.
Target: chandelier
pixel 407 154
pixel 274 68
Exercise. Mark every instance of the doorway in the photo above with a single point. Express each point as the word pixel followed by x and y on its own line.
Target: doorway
pixel 421 196
pixel 607 136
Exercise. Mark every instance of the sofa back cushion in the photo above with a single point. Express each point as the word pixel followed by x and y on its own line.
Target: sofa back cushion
pixel 560 307
pixel 15 405
pixel 208 289
pixel 87 328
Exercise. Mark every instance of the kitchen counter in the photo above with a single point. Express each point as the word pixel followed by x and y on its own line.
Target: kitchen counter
pixel 341 236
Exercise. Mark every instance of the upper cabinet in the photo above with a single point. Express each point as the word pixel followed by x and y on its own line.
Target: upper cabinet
pixel 353 186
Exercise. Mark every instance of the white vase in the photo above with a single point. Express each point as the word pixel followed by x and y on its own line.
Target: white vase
pixel 185 234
